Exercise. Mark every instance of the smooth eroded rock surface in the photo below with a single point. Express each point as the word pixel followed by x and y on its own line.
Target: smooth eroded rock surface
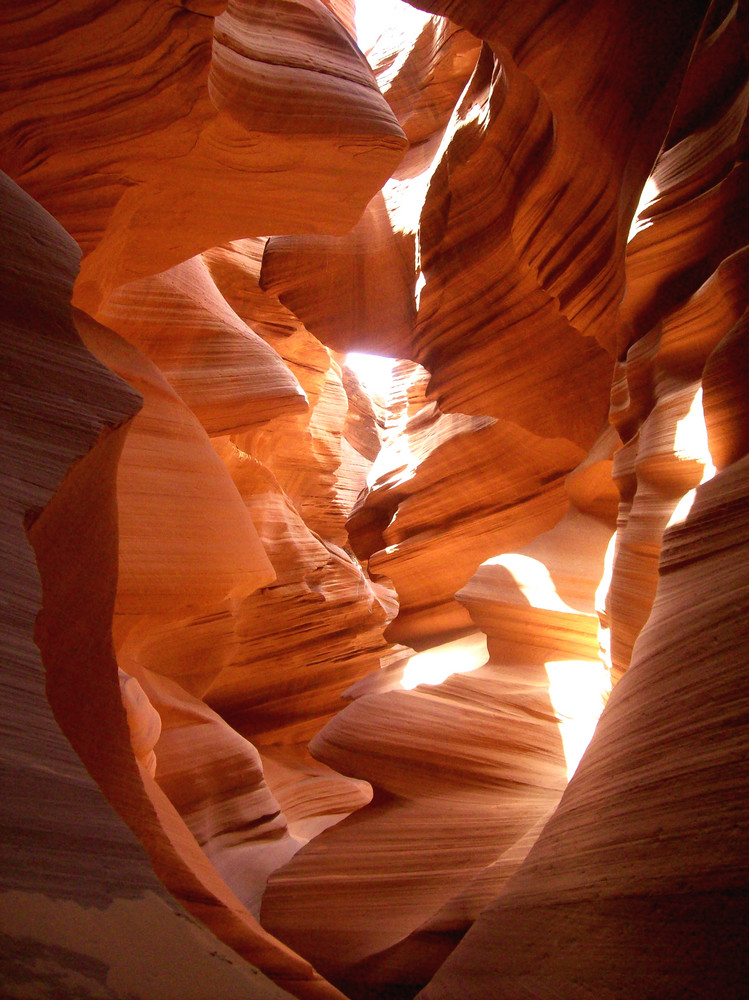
pixel 336 675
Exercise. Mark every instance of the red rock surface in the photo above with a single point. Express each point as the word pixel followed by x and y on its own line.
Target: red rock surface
pixel 285 653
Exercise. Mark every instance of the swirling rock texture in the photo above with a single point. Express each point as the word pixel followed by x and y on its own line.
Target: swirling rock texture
pixel 79 895
pixel 654 866
pixel 507 504
pixel 298 675
pixel 186 121
pixel 183 324
pixel 359 290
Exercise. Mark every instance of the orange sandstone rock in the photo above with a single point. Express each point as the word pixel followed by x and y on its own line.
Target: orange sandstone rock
pixel 80 888
pixel 191 125
pixel 228 376
pixel 360 887
pixel 453 490
pixel 724 400
pixel 392 914
pixel 214 779
pixel 173 494
pixel 662 876
pixel 500 254
pixel 358 291
pixel 290 649
pixel 314 456
pixel 686 290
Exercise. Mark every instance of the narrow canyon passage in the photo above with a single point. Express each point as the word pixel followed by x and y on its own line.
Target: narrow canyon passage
pixel 375 499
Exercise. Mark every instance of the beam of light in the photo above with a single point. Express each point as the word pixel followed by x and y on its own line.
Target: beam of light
pixel 691 444
pixel 434 666
pixel 690 436
pixel 649 193
pixel 683 507
pixel 601 602
pixel 394 460
pixel 420 283
pixel 533 580
pixel 375 373
pixel 374 17
pixel 577 690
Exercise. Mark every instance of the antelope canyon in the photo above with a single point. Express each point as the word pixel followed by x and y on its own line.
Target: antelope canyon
pixel 374 526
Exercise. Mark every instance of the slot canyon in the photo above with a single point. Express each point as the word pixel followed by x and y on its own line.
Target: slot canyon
pixel 374 529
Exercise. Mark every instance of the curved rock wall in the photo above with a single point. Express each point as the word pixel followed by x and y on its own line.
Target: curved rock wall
pixel 79 894
pixel 298 676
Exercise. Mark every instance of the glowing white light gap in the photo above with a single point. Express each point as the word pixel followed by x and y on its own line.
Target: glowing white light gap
pixel 373 371
pixel 375 16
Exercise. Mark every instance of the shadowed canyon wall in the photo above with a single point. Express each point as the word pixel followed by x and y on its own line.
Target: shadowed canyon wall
pixel 322 689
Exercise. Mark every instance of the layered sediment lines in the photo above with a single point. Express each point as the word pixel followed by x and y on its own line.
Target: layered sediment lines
pixel 456 738
pixel 664 876
pixel 298 676
pixel 181 122
pixel 442 479
pixel 171 595
pixel 69 855
pixel 358 291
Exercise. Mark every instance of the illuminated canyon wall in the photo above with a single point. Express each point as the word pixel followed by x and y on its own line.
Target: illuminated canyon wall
pixel 298 673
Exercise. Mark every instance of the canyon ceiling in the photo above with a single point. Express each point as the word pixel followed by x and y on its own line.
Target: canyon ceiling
pixel 298 673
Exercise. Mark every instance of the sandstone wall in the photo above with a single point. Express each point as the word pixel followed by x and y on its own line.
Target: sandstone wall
pixel 298 677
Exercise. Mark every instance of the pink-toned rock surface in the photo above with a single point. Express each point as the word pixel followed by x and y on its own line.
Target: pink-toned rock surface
pixel 80 908
pixel 214 778
pixel 312 795
pixel 187 621
pixel 663 875
pixel 221 369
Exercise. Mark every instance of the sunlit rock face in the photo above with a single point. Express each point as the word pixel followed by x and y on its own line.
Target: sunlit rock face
pixel 443 477
pixel 478 734
pixel 646 854
pixel 359 291
pixel 300 672
pixel 180 320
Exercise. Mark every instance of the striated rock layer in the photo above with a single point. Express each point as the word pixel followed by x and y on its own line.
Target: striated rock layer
pixel 191 124
pixel 443 479
pixel 213 532
pixel 451 742
pixel 78 892
pixel 664 877
pixel 639 879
